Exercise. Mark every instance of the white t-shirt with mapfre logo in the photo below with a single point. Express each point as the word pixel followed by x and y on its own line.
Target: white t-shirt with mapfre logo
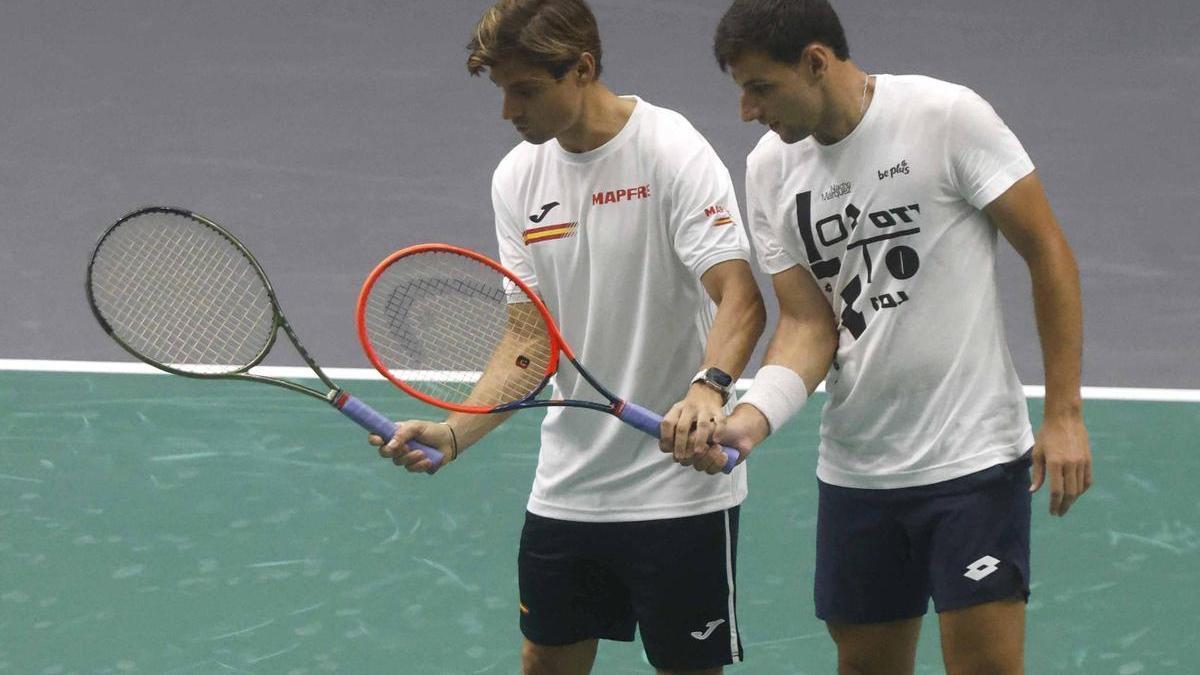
pixel 888 221
pixel 615 241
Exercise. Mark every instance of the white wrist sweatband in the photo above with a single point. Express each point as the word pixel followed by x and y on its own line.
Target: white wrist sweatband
pixel 778 393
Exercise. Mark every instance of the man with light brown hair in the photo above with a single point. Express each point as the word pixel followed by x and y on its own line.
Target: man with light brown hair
pixel 624 220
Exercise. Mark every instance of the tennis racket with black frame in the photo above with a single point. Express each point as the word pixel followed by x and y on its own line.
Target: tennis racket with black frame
pixel 182 294
pixel 457 330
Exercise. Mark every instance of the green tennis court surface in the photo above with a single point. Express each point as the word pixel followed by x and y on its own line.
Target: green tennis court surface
pixel 150 524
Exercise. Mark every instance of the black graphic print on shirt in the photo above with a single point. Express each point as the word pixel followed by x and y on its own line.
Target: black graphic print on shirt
pixel 828 240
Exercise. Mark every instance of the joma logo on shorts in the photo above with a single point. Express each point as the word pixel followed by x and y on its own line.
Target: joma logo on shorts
pixel 708 629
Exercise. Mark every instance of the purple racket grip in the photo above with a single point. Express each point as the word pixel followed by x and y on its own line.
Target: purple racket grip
pixel 372 421
pixel 648 422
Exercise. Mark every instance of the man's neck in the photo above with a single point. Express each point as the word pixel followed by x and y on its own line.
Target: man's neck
pixel 849 97
pixel 604 115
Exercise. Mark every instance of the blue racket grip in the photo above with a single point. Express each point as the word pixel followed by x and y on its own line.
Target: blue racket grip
pixel 649 422
pixel 372 421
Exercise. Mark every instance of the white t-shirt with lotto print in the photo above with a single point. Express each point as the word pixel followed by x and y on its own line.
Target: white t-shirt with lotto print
pixel 615 241
pixel 888 221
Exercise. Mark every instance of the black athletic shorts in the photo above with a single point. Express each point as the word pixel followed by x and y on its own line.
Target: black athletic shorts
pixel 882 554
pixel 672 578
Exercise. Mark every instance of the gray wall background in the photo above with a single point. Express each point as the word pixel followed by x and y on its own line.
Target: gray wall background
pixel 329 134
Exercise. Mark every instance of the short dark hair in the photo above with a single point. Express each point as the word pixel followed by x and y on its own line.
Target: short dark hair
pixel 781 28
pixel 552 34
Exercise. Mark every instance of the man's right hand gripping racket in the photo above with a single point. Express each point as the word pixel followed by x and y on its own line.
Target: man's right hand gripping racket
pixel 459 331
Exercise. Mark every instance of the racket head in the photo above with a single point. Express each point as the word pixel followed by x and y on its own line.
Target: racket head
pixel 432 317
pixel 182 294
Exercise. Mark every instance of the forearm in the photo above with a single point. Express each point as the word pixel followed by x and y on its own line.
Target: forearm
pixel 469 428
pixel 797 359
pixel 515 369
pixel 805 346
pixel 689 425
pixel 736 329
pixel 1058 310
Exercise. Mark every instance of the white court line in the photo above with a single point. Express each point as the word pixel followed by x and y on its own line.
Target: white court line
pixel 126 367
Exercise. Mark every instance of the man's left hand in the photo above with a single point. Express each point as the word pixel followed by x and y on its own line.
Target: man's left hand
pixel 1062 454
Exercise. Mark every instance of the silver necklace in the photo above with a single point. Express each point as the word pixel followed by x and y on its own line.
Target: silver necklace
pixel 863 105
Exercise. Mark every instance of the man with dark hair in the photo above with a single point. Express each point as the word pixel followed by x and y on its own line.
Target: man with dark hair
pixel 624 220
pixel 875 202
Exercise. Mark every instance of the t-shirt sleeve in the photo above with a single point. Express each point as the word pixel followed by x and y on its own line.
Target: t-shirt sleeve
pixel 510 235
pixel 705 217
pixel 986 157
pixel 772 255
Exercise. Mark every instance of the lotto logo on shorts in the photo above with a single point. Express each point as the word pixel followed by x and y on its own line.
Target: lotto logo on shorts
pixel 981 568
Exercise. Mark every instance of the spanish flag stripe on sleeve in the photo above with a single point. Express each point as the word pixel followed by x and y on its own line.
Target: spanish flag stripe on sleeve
pixel 548 232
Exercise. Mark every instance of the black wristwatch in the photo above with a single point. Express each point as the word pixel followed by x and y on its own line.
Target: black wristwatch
pixel 716 379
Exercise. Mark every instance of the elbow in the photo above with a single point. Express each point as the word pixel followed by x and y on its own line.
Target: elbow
pixel 1050 253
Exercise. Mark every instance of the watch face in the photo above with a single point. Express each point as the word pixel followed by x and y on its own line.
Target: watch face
pixel 719 377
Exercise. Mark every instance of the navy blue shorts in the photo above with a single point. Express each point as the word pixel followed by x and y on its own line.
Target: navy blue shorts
pixel 882 554
pixel 672 578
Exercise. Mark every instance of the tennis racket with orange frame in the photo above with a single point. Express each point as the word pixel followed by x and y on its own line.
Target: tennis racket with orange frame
pixel 459 331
